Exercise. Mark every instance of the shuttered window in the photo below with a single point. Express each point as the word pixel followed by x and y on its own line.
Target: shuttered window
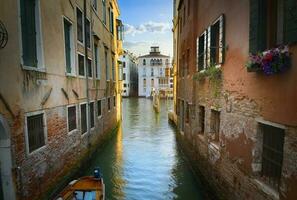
pixel 104 11
pixel 92 114
pixel 111 21
pixel 272 154
pixel 114 101
pixel 215 124
pixel 290 22
pixel 201 52
pixel 67 40
pixel 97 66
pixel 83 118
pixel 35 130
pixel 272 22
pixel 71 118
pixel 79 19
pixel 108 104
pixel 90 69
pixel 88 32
pixel 28 19
pixel 99 108
pixel 201 119
pixel 81 65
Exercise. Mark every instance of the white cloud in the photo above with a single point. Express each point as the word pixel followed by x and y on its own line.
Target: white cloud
pixel 153 27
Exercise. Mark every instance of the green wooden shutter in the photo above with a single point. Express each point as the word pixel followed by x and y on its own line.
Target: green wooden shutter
pixel 213 46
pixel 222 40
pixel 207 46
pixel 67 27
pixel 290 21
pixel 28 32
pixel 197 54
pixel 258 18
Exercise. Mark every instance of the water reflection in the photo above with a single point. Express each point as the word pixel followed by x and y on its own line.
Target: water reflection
pixel 143 161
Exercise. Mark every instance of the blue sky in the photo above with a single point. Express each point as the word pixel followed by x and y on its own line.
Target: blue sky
pixel 147 23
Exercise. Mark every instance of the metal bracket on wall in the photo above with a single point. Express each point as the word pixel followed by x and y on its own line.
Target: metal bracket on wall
pixel 65 93
pixel 3 35
pixel 46 96
pixel 7 106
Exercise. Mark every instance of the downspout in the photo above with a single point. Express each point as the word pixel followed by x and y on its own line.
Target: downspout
pixel 87 73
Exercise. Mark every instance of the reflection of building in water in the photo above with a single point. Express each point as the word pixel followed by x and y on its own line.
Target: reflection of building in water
pixel 154 71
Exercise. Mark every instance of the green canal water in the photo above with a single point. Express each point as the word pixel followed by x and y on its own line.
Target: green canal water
pixel 142 161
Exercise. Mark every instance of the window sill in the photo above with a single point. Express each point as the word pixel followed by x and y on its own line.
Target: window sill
pixel 80 76
pixel 72 132
pixel 37 69
pixel 267 189
pixel 70 75
pixel 37 150
pixel 216 145
pixel 80 43
pixel 99 117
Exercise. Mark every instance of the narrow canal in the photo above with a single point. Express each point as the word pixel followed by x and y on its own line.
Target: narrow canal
pixel 142 161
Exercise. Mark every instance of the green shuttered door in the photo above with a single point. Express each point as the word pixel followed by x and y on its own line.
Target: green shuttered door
pixel 290 23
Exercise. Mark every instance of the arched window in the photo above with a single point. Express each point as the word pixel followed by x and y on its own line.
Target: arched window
pixel 152 62
pixel 144 62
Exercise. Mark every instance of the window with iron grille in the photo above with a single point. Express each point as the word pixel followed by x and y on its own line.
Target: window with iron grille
pixel 215 124
pixel 92 114
pixel 272 154
pixel 201 119
pixel 99 108
pixel 108 104
pixel 79 19
pixel 83 118
pixel 71 118
pixel 35 131
pixel 81 65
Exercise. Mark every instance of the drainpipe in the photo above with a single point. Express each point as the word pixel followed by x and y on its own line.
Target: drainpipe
pixel 87 74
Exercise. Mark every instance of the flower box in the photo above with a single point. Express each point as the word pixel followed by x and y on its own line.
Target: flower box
pixel 273 61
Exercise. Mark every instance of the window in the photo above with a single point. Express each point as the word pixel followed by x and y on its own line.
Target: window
pixel 152 82
pixel 272 154
pixel 69 47
pixel 111 20
pixel 97 65
pixel 90 70
pixel 144 72
pixel 71 114
pixel 114 101
pixel 83 118
pixel 189 7
pixel 201 52
pixel 144 82
pixel 113 69
pixel 79 20
pixel 272 23
pixel 35 131
pixel 99 108
pixel 104 11
pixel 144 62
pixel 125 85
pixel 81 65
pixel 188 62
pixel 106 65
pixel 187 113
pixel 92 114
pixel 124 64
pixel 88 32
pixel 216 42
pixel 31 34
pixel 124 76
pixel 152 71
pixel 120 30
pixel 108 104
pixel 94 4
pixel 211 45
pixel 215 124
pixel 201 119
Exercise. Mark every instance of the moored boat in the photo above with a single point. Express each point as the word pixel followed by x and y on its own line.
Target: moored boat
pixel 85 188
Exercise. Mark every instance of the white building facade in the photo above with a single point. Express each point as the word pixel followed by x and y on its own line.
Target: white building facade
pixel 154 73
pixel 129 76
